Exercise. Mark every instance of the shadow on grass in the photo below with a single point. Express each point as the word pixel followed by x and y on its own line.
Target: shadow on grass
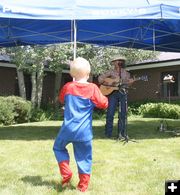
pixel 141 129
pixel 37 181
pixel 137 129
pixel 28 132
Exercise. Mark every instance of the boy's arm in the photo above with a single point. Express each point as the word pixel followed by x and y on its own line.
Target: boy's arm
pixel 99 99
pixel 62 94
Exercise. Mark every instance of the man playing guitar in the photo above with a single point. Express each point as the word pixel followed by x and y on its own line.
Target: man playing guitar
pixel 115 80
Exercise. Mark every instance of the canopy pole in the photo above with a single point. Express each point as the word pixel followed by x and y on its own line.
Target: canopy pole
pixel 154 38
pixel 72 34
pixel 75 40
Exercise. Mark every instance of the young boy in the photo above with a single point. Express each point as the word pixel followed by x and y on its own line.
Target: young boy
pixel 79 97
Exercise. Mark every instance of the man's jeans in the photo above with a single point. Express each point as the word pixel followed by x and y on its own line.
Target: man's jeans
pixel 116 98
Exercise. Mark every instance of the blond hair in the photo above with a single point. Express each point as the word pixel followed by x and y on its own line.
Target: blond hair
pixel 80 68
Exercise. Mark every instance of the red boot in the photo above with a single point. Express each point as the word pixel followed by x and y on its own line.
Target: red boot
pixel 66 172
pixel 83 182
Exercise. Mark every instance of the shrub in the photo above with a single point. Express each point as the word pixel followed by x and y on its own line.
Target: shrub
pixel 133 110
pixel 37 114
pixel 47 112
pixel 99 114
pixel 14 110
pixel 6 112
pixel 57 113
pixel 133 107
pixel 160 110
pixel 22 109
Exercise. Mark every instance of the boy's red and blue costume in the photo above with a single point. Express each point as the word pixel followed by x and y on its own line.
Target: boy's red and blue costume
pixel 80 100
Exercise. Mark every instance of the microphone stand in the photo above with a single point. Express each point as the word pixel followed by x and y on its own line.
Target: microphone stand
pixel 123 89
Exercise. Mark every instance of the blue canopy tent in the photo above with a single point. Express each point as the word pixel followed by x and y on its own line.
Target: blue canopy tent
pixel 145 24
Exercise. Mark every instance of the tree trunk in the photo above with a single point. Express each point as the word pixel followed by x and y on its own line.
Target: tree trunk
pixel 40 76
pixel 22 88
pixel 57 87
pixel 33 92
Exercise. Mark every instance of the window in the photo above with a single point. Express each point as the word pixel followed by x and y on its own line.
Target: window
pixel 170 89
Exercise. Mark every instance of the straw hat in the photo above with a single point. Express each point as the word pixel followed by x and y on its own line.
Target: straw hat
pixel 117 57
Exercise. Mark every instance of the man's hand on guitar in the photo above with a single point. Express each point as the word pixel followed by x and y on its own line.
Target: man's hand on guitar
pixel 105 83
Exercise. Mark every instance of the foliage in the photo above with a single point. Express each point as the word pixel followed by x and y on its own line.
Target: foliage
pixel 38 114
pixel 133 107
pixel 19 56
pixel 38 57
pixel 59 57
pixel 7 114
pixel 14 110
pixel 99 114
pixel 160 110
pixel 138 55
pixel 103 55
pixel 21 108
pixel 31 59
pixel 47 112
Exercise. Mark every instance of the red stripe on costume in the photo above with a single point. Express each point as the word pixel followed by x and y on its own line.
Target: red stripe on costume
pixel 65 171
pixel 77 89
pixel 83 182
pixel 85 90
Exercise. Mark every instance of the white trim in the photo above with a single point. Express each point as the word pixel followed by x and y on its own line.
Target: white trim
pixel 7 65
pixel 65 71
pixel 153 65
pixel 129 68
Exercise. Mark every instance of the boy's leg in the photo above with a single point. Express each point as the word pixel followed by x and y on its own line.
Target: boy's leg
pixel 66 172
pixel 62 157
pixel 83 157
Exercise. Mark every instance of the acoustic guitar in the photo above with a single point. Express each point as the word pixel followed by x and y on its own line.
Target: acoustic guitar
pixel 116 84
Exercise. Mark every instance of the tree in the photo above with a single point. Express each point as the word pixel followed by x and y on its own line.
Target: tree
pixel 30 59
pixel 18 56
pixel 100 57
pixel 101 61
pixel 59 57
pixel 37 58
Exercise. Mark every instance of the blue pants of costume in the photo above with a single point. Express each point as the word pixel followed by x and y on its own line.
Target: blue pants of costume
pixel 82 154
pixel 116 98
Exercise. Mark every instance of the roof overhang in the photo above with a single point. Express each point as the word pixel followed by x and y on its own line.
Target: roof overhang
pixel 153 65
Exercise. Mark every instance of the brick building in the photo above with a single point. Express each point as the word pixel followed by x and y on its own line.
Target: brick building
pixel 153 89
pixel 9 82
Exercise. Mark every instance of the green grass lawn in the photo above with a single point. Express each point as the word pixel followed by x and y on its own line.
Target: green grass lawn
pixel 28 165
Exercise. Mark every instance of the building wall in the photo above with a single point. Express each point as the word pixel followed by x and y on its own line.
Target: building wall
pixel 8 81
pixel 152 89
pixel 9 84
pixel 145 89
pixel 141 90
pixel 48 88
